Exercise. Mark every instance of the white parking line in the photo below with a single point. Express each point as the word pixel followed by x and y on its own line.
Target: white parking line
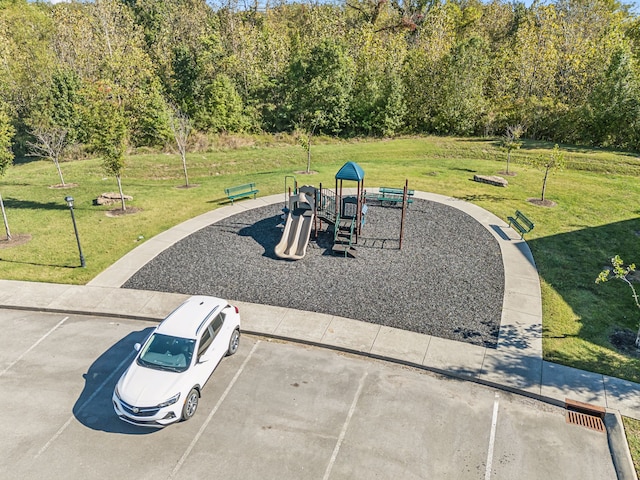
pixel 213 412
pixel 34 345
pixel 86 402
pixel 492 438
pixel 343 432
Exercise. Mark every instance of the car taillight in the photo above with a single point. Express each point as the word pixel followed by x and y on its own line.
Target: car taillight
pixel 234 307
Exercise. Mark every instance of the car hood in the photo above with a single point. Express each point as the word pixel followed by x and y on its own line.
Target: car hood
pixel 147 387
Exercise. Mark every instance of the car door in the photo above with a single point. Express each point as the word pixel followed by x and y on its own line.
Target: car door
pixel 210 349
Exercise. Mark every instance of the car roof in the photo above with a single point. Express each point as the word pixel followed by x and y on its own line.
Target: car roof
pixel 186 320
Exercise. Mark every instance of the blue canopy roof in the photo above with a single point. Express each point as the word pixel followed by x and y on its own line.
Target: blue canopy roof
pixel 350 171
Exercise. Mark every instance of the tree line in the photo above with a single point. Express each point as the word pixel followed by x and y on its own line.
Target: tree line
pixel 108 75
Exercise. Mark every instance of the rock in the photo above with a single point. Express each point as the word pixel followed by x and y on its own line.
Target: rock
pixel 110 198
pixel 491 180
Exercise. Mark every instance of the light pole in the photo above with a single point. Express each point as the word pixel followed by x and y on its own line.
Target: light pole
pixel 69 201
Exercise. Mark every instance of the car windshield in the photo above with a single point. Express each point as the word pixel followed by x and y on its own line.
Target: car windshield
pixel 164 352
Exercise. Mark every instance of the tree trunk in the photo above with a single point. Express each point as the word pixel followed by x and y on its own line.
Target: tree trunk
pixel 184 166
pixel 508 160
pixel 55 160
pixel 124 208
pixel 309 153
pixel 4 217
pixel 544 183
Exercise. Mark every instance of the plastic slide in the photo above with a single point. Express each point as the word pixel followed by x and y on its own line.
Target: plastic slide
pixel 297 230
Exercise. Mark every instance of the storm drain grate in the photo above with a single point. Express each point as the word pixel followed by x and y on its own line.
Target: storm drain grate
pixel 585 414
pixel 584 420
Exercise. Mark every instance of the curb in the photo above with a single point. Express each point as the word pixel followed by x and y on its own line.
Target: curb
pixel 618 446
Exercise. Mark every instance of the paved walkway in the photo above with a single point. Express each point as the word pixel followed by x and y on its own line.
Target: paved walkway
pixel 515 365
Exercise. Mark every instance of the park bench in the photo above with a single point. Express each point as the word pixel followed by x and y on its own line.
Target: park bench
pixel 393 195
pixel 240 191
pixel 521 223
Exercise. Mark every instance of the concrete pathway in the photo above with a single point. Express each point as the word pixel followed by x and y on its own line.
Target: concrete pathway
pixel 515 365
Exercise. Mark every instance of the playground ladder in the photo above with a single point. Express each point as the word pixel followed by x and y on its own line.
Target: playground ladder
pixel 343 236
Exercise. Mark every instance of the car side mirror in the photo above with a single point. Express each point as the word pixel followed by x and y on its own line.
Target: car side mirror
pixel 203 359
pixel 136 347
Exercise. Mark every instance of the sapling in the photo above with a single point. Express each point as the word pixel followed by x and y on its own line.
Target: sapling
pixel 621 272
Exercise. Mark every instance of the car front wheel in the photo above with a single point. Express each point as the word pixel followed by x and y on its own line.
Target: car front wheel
pixel 234 342
pixel 190 404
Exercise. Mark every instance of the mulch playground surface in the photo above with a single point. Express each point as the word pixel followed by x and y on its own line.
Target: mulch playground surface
pixel 446 281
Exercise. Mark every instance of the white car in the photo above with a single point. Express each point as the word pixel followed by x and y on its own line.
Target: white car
pixel 163 383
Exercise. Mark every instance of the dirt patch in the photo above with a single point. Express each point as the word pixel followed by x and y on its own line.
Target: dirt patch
pixel 542 203
pixel 508 174
pixel 62 187
pixel 623 341
pixel 304 172
pixel 118 212
pixel 16 241
pixel 191 185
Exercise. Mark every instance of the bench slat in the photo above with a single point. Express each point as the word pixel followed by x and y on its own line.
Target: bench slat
pixel 397 191
pixel 521 223
pixel 239 191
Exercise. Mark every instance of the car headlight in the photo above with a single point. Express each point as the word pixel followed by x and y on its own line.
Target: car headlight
pixel 171 401
pixel 115 390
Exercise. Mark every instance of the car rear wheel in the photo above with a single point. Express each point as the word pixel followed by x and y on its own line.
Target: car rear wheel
pixel 234 342
pixel 190 404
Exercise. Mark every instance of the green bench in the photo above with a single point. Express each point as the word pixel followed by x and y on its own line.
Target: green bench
pixel 521 223
pixel 240 191
pixel 393 195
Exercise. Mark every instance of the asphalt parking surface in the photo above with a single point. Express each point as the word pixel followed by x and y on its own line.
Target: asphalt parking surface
pixel 273 411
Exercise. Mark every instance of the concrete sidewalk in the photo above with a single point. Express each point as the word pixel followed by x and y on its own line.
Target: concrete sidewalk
pixel 515 365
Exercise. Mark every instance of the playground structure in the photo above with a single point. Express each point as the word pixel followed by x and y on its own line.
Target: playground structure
pixel 308 208
pixel 297 228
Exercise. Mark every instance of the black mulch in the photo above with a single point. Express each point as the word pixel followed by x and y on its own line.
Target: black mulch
pixel 447 281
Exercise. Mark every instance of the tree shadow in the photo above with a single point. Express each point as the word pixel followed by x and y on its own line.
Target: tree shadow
pixel 94 408
pixel 569 263
pixel 14 203
pixel 39 264
pixel 511 337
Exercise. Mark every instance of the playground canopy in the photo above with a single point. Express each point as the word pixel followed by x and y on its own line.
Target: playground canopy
pixel 350 171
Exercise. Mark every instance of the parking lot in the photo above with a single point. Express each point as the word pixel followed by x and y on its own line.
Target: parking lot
pixel 273 411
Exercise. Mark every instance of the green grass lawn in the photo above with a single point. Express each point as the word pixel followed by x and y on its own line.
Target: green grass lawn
pixel 632 430
pixel 596 217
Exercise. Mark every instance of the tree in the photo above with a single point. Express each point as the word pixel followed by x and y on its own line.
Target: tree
pixel 180 125
pixel 6 157
pixel 50 143
pixel 304 134
pixel 613 116
pixel 511 141
pixel 319 81
pixel 112 143
pixel 554 161
pixel 109 131
pixel 621 272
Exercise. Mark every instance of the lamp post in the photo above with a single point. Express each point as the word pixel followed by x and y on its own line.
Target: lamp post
pixel 69 201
